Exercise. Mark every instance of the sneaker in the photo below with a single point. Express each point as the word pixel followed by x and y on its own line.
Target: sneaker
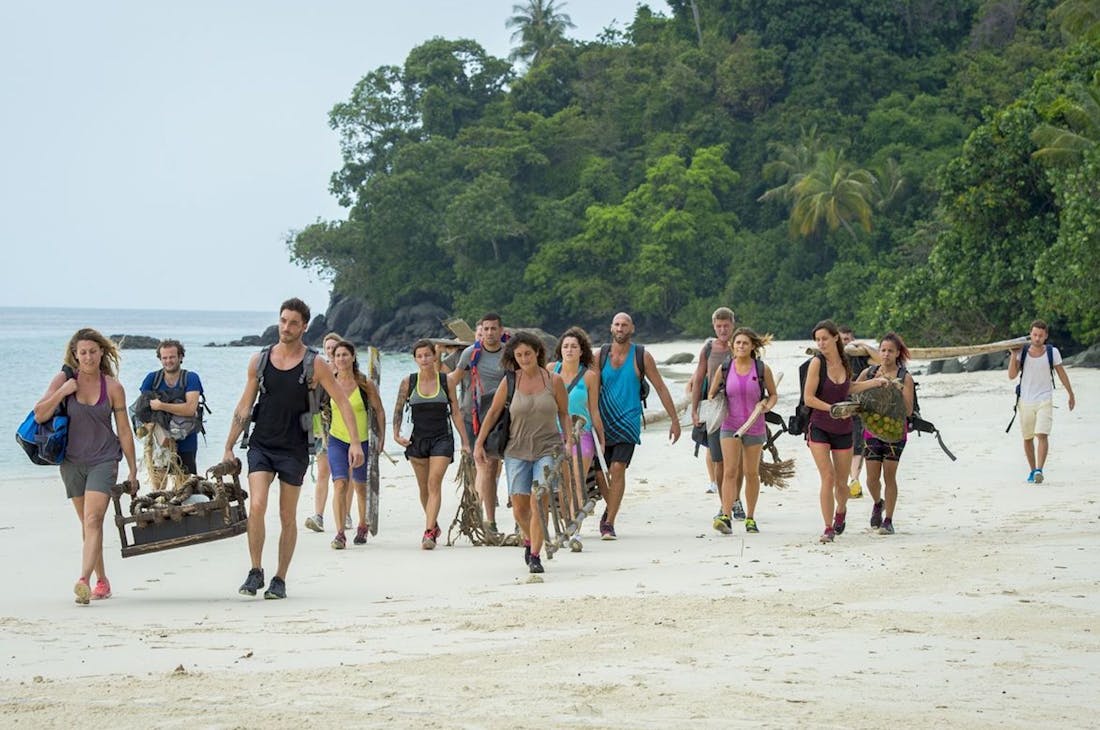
pixel 83 592
pixel 876 513
pixel 360 535
pixel 839 522
pixel 102 589
pixel 828 535
pixel 428 541
pixel 1031 476
pixel 1038 476
pixel 347 522
pixel 603 521
pixel 855 489
pixel 607 532
pixel 738 510
pixel 339 542
pixel 526 552
pixel 316 523
pixel 750 525
pixel 712 488
pixel 253 583
pixel 722 523
pixel 277 589
pixel 493 528
pixel 887 527
pixel 436 532
pixel 535 566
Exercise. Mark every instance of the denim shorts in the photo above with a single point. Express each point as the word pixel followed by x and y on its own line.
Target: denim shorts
pixel 521 472
pixel 80 478
pixel 338 461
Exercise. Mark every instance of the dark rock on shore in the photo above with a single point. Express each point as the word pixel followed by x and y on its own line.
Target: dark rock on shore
pixel 949 366
pixel 990 361
pixel 680 358
pixel 135 342
pixel 1090 358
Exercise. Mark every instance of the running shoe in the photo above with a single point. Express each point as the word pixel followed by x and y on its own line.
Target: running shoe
pixel 277 589
pixel 738 510
pixel 253 583
pixel 527 552
pixel 316 523
pixel 828 535
pixel 436 532
pixel 535 566
pixel 83 592
pixel 608 533
pixel 360 535
pixel 712 488
pixel 339 542
pixel 347 522
pixel 428 541
pixel 1031 476
pixel 855 489
pixel 722 523
pixel 887 527
pixel 1038 476
pixel 876 513
pixel 750 525
pixel 102 589
pixel 839 522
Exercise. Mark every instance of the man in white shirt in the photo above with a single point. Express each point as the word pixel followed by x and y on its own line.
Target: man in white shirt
pixel 1035 405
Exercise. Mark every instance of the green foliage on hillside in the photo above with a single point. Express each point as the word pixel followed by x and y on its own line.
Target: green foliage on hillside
pixel 928 166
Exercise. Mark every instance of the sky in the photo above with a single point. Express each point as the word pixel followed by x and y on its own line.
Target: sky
pixel 156 155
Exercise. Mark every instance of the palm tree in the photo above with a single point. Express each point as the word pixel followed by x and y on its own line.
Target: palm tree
pixel 538 25
pixel 791 165
pixel 831 195
pixel 1081 129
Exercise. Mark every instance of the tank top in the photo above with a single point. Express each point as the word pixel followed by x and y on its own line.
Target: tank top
pixel 742 395
pixel 279 411
pixel 534 431
pixel 578 399
pixel 620 405
pixel 832 393
pixel 430 411
pixel 91 439
pixel 715 360
pixel 339 429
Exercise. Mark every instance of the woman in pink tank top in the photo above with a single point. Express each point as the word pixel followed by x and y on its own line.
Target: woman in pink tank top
pixel 92 394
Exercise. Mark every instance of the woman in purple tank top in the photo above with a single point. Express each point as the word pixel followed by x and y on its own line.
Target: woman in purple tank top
pixel 830 439
pixel 91 395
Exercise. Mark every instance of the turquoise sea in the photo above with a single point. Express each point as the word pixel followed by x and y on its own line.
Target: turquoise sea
pixel 32 343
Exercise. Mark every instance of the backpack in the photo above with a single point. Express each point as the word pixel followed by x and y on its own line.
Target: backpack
pixel 180 427
pixel 306 419
pixel 639 364
pixel 800 421
pixel 1023 361
pixel 915 422
pixel 45 443
pixel 769 417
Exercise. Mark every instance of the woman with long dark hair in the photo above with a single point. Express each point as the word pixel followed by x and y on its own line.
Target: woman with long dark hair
pixel 575 363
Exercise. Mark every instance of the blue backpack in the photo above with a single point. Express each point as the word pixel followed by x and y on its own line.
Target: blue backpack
pixel 45 443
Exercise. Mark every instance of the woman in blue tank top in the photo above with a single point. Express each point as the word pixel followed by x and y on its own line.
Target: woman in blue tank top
pixel 91 393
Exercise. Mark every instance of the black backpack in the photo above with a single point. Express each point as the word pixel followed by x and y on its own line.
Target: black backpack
pixel 800 421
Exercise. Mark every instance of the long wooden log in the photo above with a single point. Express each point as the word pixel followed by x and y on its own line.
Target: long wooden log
pixel 935 353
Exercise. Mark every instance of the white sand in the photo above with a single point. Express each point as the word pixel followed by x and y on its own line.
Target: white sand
pixel 982 611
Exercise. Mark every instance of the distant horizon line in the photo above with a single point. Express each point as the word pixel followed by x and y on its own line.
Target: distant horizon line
pixel 133 309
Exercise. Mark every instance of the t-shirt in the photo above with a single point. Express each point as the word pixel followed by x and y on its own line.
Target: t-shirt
pixel 1037 384
pixel 191 443
pixel 489 370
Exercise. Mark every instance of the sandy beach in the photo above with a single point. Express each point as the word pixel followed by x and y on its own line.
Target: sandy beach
pixel 982 611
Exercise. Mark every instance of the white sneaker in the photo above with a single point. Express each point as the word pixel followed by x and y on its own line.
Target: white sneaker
pixel 713 488
pixel 347 522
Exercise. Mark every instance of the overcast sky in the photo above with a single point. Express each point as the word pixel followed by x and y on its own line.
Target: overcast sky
pixel 155 155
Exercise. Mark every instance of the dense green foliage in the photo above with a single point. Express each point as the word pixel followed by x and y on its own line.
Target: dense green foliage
pixel 928 166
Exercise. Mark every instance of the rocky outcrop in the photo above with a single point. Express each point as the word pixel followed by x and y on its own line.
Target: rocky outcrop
pixel 680 358
pixel 135 342
pixel 1090 358
pixel 990 361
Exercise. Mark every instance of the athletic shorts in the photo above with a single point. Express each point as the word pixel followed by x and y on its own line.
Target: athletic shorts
pixel 714 445
pixel 79 478
pixel 836 441
pixel 877 450
pixel 857 435
pixel 522 473
pixel 621 453
pixel 587 444
pixel 338 463
pixel 1036 418
pixel 289 469
pixel 747 439
pixel 426 447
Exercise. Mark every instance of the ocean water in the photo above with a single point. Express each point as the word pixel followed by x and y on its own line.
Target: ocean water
pixel 33 340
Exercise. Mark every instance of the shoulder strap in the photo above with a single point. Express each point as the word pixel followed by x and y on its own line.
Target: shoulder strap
pixel 760 377
pixel 158 379
pixel 639 360
pixel 1050 361
pixel 510 379
pixel 604 351
pixel 824 374
pixel 580 376
pixel 708 346
pixel 261 366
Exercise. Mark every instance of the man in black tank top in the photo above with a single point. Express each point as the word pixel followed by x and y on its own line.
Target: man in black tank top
pixel 279 445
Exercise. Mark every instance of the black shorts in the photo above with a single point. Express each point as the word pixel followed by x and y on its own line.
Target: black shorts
pixel 836 441
pixel 878 450
pixel 288 468
pixel 187 461
pixel 425 447
pixel 857 434
pixel 622 453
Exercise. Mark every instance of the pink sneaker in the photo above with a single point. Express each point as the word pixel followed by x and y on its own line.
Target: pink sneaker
pixel 102 589
pixel 82 591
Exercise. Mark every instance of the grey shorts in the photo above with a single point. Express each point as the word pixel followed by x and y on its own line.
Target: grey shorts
pixel 747 439
pixel 714 445
pixel 79 478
